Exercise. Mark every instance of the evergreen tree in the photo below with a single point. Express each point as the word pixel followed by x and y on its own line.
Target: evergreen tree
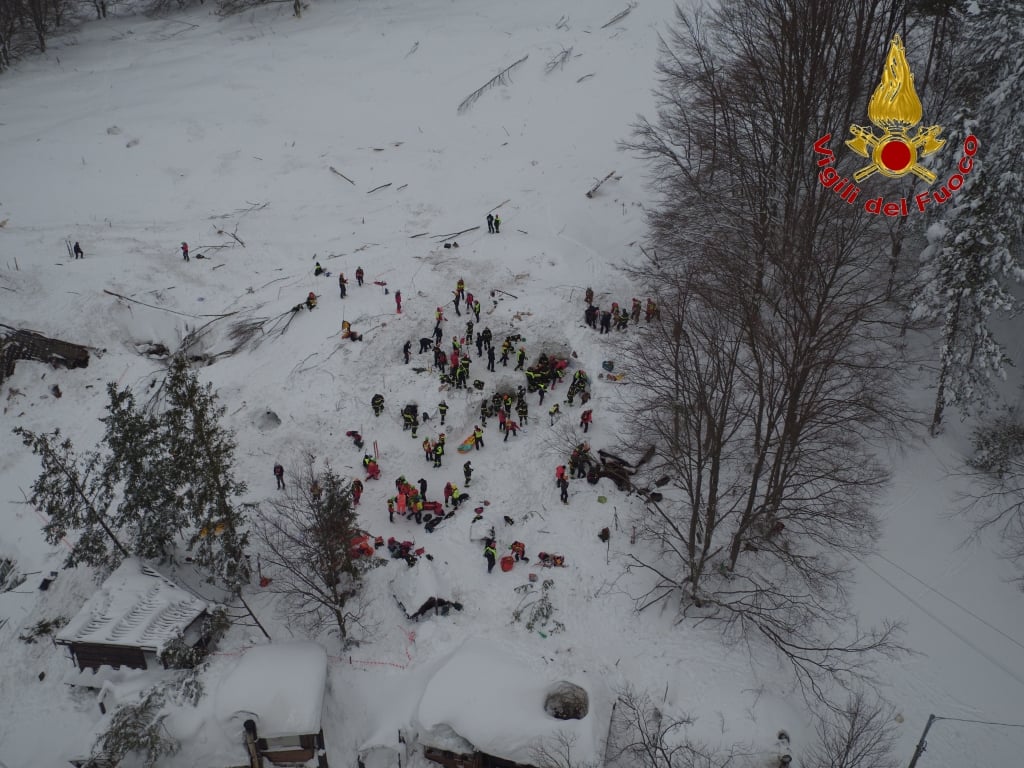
pixel 975 251
pixel 150 511
pixel 201 459
pixel 170 470
pixel 75 494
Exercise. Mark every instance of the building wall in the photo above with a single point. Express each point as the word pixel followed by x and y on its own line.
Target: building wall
pixel 91 656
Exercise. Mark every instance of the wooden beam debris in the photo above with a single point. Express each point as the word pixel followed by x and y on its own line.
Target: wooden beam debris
pixel 593 189
pixel 382 186
pixel 339 173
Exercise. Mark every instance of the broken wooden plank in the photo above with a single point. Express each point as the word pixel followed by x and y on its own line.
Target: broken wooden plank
pixel 593 189
pixel 382 186
pixel 339 173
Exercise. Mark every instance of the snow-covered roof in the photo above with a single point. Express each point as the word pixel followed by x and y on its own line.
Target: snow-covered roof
pixel 135 607
pixel 486 695
pixel 280 687
pixel 412 587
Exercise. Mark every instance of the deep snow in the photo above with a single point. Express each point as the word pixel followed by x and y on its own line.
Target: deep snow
pixel 135 134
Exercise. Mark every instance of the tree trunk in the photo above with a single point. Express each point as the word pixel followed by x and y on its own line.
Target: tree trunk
pixel 948 339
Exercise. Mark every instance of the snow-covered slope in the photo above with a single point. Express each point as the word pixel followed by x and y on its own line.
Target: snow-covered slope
pixel 135 134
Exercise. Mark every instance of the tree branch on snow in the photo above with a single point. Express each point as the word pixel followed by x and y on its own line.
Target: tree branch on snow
pixel 502 78
pixel 558 61
pixel 233 235
pixel 620 15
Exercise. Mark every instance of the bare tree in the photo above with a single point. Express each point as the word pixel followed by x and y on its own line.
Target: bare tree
pixel 775 363
pixel 995 498
pixel 306 538
pixel 860 735
pixel 557 752
pixel 642 735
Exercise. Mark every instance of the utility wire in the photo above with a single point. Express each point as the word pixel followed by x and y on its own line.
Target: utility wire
pixel 981 722
pixel 965 640
pixel 948 599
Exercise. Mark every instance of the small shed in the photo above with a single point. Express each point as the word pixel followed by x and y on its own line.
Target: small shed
pixel 421 590
pixel 129 620
pixel 272 700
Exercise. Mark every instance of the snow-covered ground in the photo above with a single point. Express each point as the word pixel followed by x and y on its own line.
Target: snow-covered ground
pixel 135 134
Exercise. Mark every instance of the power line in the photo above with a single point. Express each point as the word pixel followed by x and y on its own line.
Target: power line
pixel 965 640
pixel 948 599
pixel 981 722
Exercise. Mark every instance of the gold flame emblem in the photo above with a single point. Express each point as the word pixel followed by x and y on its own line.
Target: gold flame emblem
pixel 895 108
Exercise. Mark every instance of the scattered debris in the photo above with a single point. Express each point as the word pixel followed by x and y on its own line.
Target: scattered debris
pixel 415 47
pixel 382 186
pixel 580 80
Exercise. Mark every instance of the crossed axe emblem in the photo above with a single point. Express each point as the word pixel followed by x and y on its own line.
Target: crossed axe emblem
pixel 866 144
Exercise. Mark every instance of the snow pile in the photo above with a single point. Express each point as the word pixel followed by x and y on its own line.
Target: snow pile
pixel 136 607
pixel 414 586
pixel 279 686
pixel 488 696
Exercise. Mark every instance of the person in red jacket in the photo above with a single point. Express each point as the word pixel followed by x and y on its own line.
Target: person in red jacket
pixel 357 491
pixel 359 276
pixel 398 301
pixel 585 419
pixel 184 250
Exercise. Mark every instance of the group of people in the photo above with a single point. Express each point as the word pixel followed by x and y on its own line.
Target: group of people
pixel 619 317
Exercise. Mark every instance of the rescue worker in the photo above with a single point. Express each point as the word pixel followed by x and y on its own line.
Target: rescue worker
pixel 391 509
pixel 407 351
pixel 523 412
pixel 460 288
pixel 423 489
pixel 554 411
pixel 438 453
pixel 585 419
pixel 563 487
pixel 442 408
pixel 279 475
pixel 318 270
pixel 520 359
pixel 378 404
pixel 588 297
pixel 478 437
pixel 510 428
pixel 447 492
pixel 476 309
pixel 651 311
pixel 357 491
pixel 425 344
pixel 635 311
pixel 490 554
pixel 428 449
pixel 311 301
pixel 506 349
pixel 497 223
pixel 490 359
pixel 518 550
pixel 467 471
pixel 342 285
pixel 359 276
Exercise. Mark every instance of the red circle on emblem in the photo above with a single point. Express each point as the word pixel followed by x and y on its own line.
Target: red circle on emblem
pixel 895 155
